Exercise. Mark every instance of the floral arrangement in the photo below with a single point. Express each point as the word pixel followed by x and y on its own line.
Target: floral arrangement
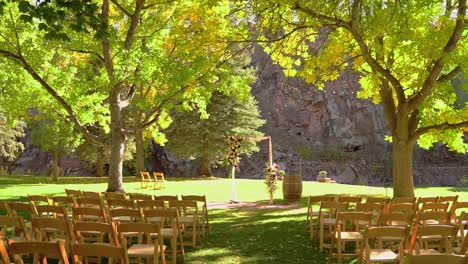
pixel 234 143
pixel 271 173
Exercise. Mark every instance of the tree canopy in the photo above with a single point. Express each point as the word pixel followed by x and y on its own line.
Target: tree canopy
pixel 407 52
pixel 112 67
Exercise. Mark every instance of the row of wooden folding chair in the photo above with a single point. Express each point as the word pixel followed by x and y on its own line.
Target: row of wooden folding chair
pixel 376 205
pixel 52 229
pixel 158 181
pixel 421 236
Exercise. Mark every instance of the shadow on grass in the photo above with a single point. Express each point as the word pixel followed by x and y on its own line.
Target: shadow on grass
pixel 257 236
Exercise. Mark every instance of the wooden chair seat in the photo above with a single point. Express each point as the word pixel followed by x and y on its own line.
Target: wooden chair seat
pixel 383 255
pixel 123 218
pixel 146 250
pixel 350 236
pixel 424 251
pixel 186 219
pixel 328 221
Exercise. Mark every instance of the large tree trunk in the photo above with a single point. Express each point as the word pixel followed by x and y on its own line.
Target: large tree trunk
pixel 117 146
pixel 403 185
pixel 100 171
pixel 205 165
pixel 140 152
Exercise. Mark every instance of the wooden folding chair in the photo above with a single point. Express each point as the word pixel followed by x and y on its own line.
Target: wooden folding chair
pixel 395 219
pixel 434 207
pixel 53 229
pixel 202 210
pixel 150 204
pixel 311 214
pixel 16 226
pixel 374 208
pixel 120 203
pixel 351 200
pixel 327 219
pixel 145 247
pixel 140 197
pixel 54 211
pixel 74 193
pixel 41 250
pixel 379 200
pixel 84 251
pixel 431 218
pixel 126 215
pixel 423 235
pixel 189 222
pixel 68 202
pixel 93 195
pixel 435 259
pixel 448 199
pixel 26 210
pixel 168 219
pixel 90 214
pixel 159 181
pixel 39 199
pixel 358 221
pixel 423 200
pixel 370 253
pixel 404 208
pixel 92 232
pixel 166 197
pixel 410 200
pixel 145 179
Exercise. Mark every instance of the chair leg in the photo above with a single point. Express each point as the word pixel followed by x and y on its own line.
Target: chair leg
pixel 321 237
pixel 339 248
pixel 174 250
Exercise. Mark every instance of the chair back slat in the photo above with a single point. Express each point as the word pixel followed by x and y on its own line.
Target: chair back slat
pixel 122 203
pixel 398 200
pixel 74 193
pixel 84 227
pixel 166 197
pixel 140 197
pixel 115 195
pixel 150 204
pixel 55 211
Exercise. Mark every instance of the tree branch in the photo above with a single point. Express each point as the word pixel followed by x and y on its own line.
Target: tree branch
pixel 319 16
pixel 135 19
pixel 388 104
pixel 438 65
pixel 71 115
pixel 450 75
pixel 87 52
pixel 121 8
pixel 444 126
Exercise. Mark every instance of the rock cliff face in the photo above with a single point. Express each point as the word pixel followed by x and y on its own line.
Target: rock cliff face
pixel 330 130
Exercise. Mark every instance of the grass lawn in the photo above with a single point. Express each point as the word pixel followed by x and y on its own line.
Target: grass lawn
pixel 238 235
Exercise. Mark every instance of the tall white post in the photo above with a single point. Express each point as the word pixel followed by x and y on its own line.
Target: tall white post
pixel 233 187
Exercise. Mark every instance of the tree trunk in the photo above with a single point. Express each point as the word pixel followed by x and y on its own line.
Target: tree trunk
pixel 403 185
pixel 205 165
pixel 140 152
pixel 100 165
pixel 117 146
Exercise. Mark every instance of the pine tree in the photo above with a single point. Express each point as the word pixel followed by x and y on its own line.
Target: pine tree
pixel 10 144
pixel 190 136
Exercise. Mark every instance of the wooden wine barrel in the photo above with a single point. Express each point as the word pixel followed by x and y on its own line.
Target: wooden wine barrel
pixel 292 187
